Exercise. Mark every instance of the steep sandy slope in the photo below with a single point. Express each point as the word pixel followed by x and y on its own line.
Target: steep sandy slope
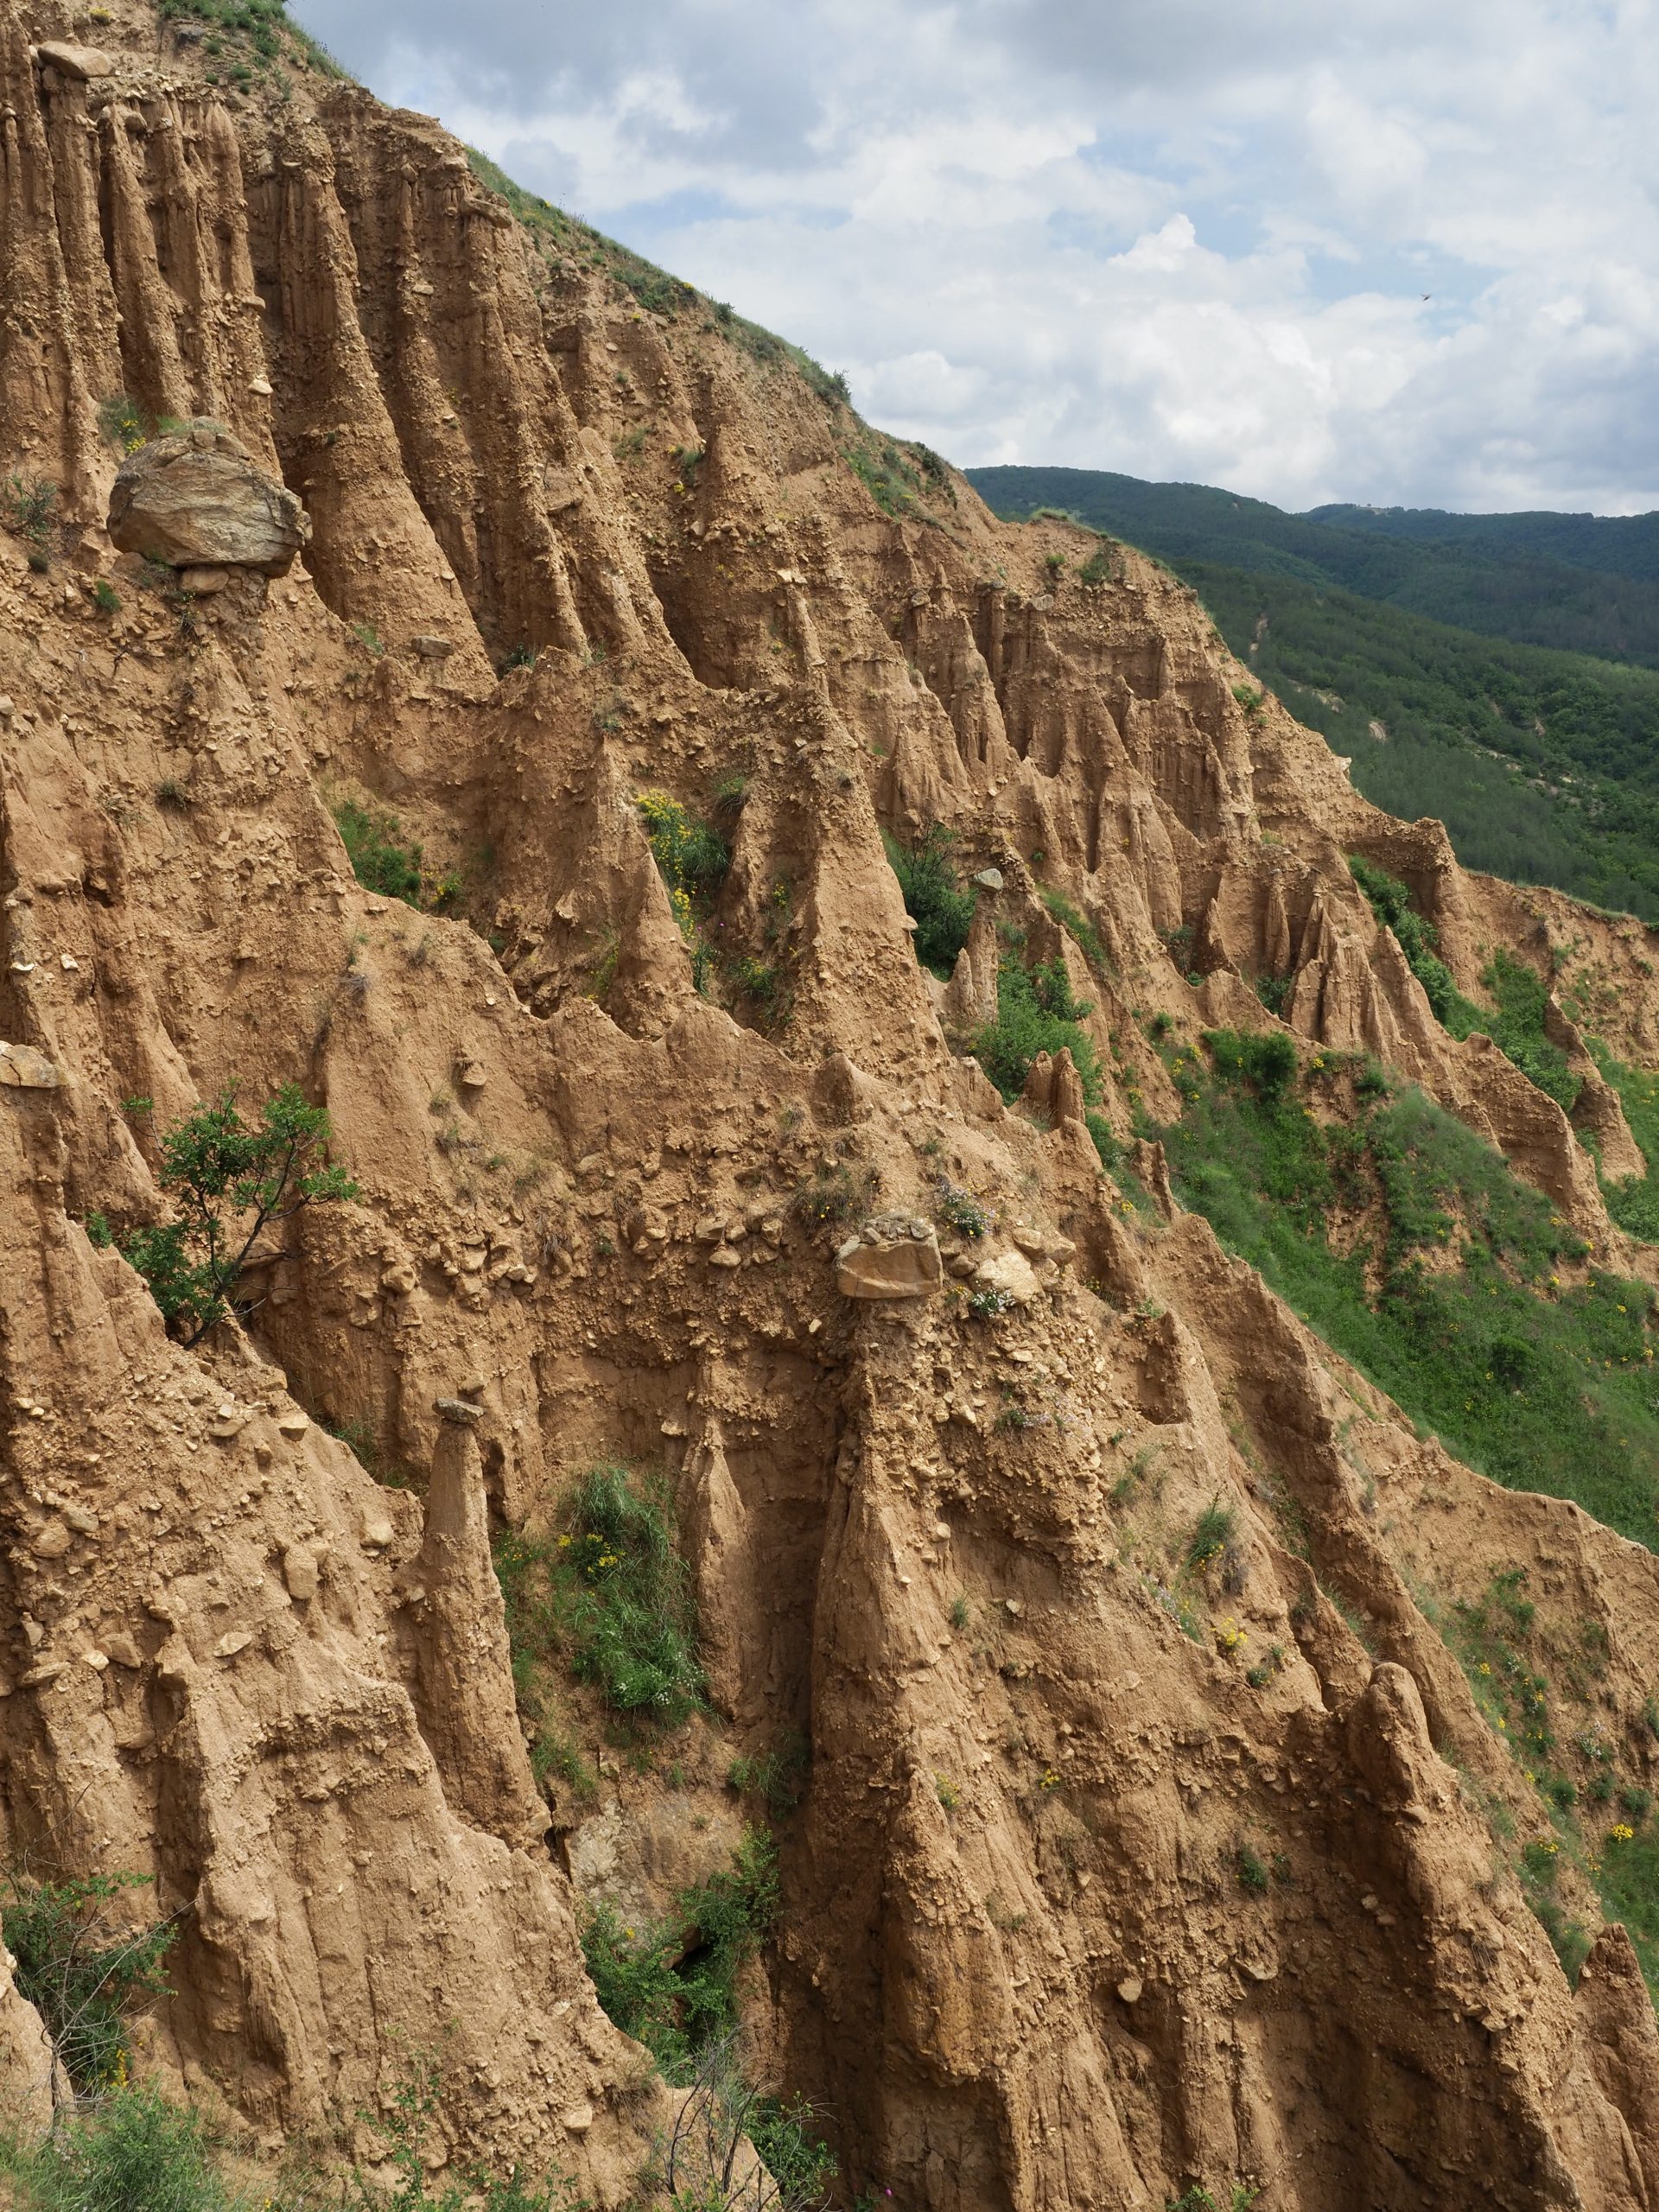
pixel 1016 1965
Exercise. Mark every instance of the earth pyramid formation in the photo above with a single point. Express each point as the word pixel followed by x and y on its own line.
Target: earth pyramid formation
pixel 490 528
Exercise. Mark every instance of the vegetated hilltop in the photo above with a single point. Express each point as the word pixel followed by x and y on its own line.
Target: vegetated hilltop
pixel 1611 545
pixel 1540 762
pixel 933 1447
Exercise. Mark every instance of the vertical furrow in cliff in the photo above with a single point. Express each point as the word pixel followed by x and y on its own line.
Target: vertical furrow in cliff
pixel 454 344
pixel 73 132
pixel 44 405
pixel 372 551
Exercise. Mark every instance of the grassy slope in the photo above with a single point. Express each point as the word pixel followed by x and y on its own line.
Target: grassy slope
pixel 1458 1291
pixel 1541 1384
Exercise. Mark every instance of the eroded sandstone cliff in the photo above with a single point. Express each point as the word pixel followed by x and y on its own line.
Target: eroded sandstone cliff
pixel 1015 1966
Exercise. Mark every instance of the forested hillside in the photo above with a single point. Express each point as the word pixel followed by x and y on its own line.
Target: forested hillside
pixel 1616 545
pixel 1544 765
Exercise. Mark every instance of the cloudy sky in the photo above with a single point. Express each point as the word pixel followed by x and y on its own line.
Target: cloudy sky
pixel 1181 239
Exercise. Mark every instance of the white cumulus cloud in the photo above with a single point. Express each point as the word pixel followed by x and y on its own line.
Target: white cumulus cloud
pixel 1181 239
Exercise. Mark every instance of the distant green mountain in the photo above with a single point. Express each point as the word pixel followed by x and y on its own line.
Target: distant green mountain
pixel 1578 583
pixel 1617 545
pixel 1544 765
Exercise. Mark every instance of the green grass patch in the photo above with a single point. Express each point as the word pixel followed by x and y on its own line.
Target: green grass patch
pixel 1541 1384
pixel 130 2151
pixel 386 861
pixel 1083 933
pixel 1519 995
pixel 1627 1878
pixel 1634 1202
pixel 1035 1014
pixel 1598 1814
pixel 897 476
pixel 1391 903
pixel 248 37
pixel 777 1775
pixel 610 1597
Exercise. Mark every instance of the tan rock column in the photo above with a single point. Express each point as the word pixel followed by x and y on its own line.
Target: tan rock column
pixel 464 1694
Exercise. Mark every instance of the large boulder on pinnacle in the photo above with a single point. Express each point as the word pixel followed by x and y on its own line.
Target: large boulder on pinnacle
pixel 196 499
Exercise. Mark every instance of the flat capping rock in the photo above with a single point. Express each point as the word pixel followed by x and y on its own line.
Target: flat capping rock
pixel 81 62
pixel 459 1411
pixel 23 1068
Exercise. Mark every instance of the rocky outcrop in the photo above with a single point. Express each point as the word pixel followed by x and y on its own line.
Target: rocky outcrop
pixel 31 2083
pixel 195 499
pixel 889 1259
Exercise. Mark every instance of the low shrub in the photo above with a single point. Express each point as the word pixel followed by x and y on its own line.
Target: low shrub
pixel 961 1211
pixel 778 1776
pixel 699 2165
pixel 1216 1528
pixel 1251 1871
pixel 28 505
pixel 1265 1059
pixel 934 897
pixel 85 1966
pixel 672 1985
pixel 692 857
pixel 1035 1014
pixel 612 1596
pixel 843 1193
pixel 122 423
pixel 382 859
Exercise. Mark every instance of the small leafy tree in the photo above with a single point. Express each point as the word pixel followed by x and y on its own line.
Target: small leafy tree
pixel 84 1968
pixel 232 1179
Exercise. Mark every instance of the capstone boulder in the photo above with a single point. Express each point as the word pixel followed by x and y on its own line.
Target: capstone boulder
pixel 24 1069
pixel 196 499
